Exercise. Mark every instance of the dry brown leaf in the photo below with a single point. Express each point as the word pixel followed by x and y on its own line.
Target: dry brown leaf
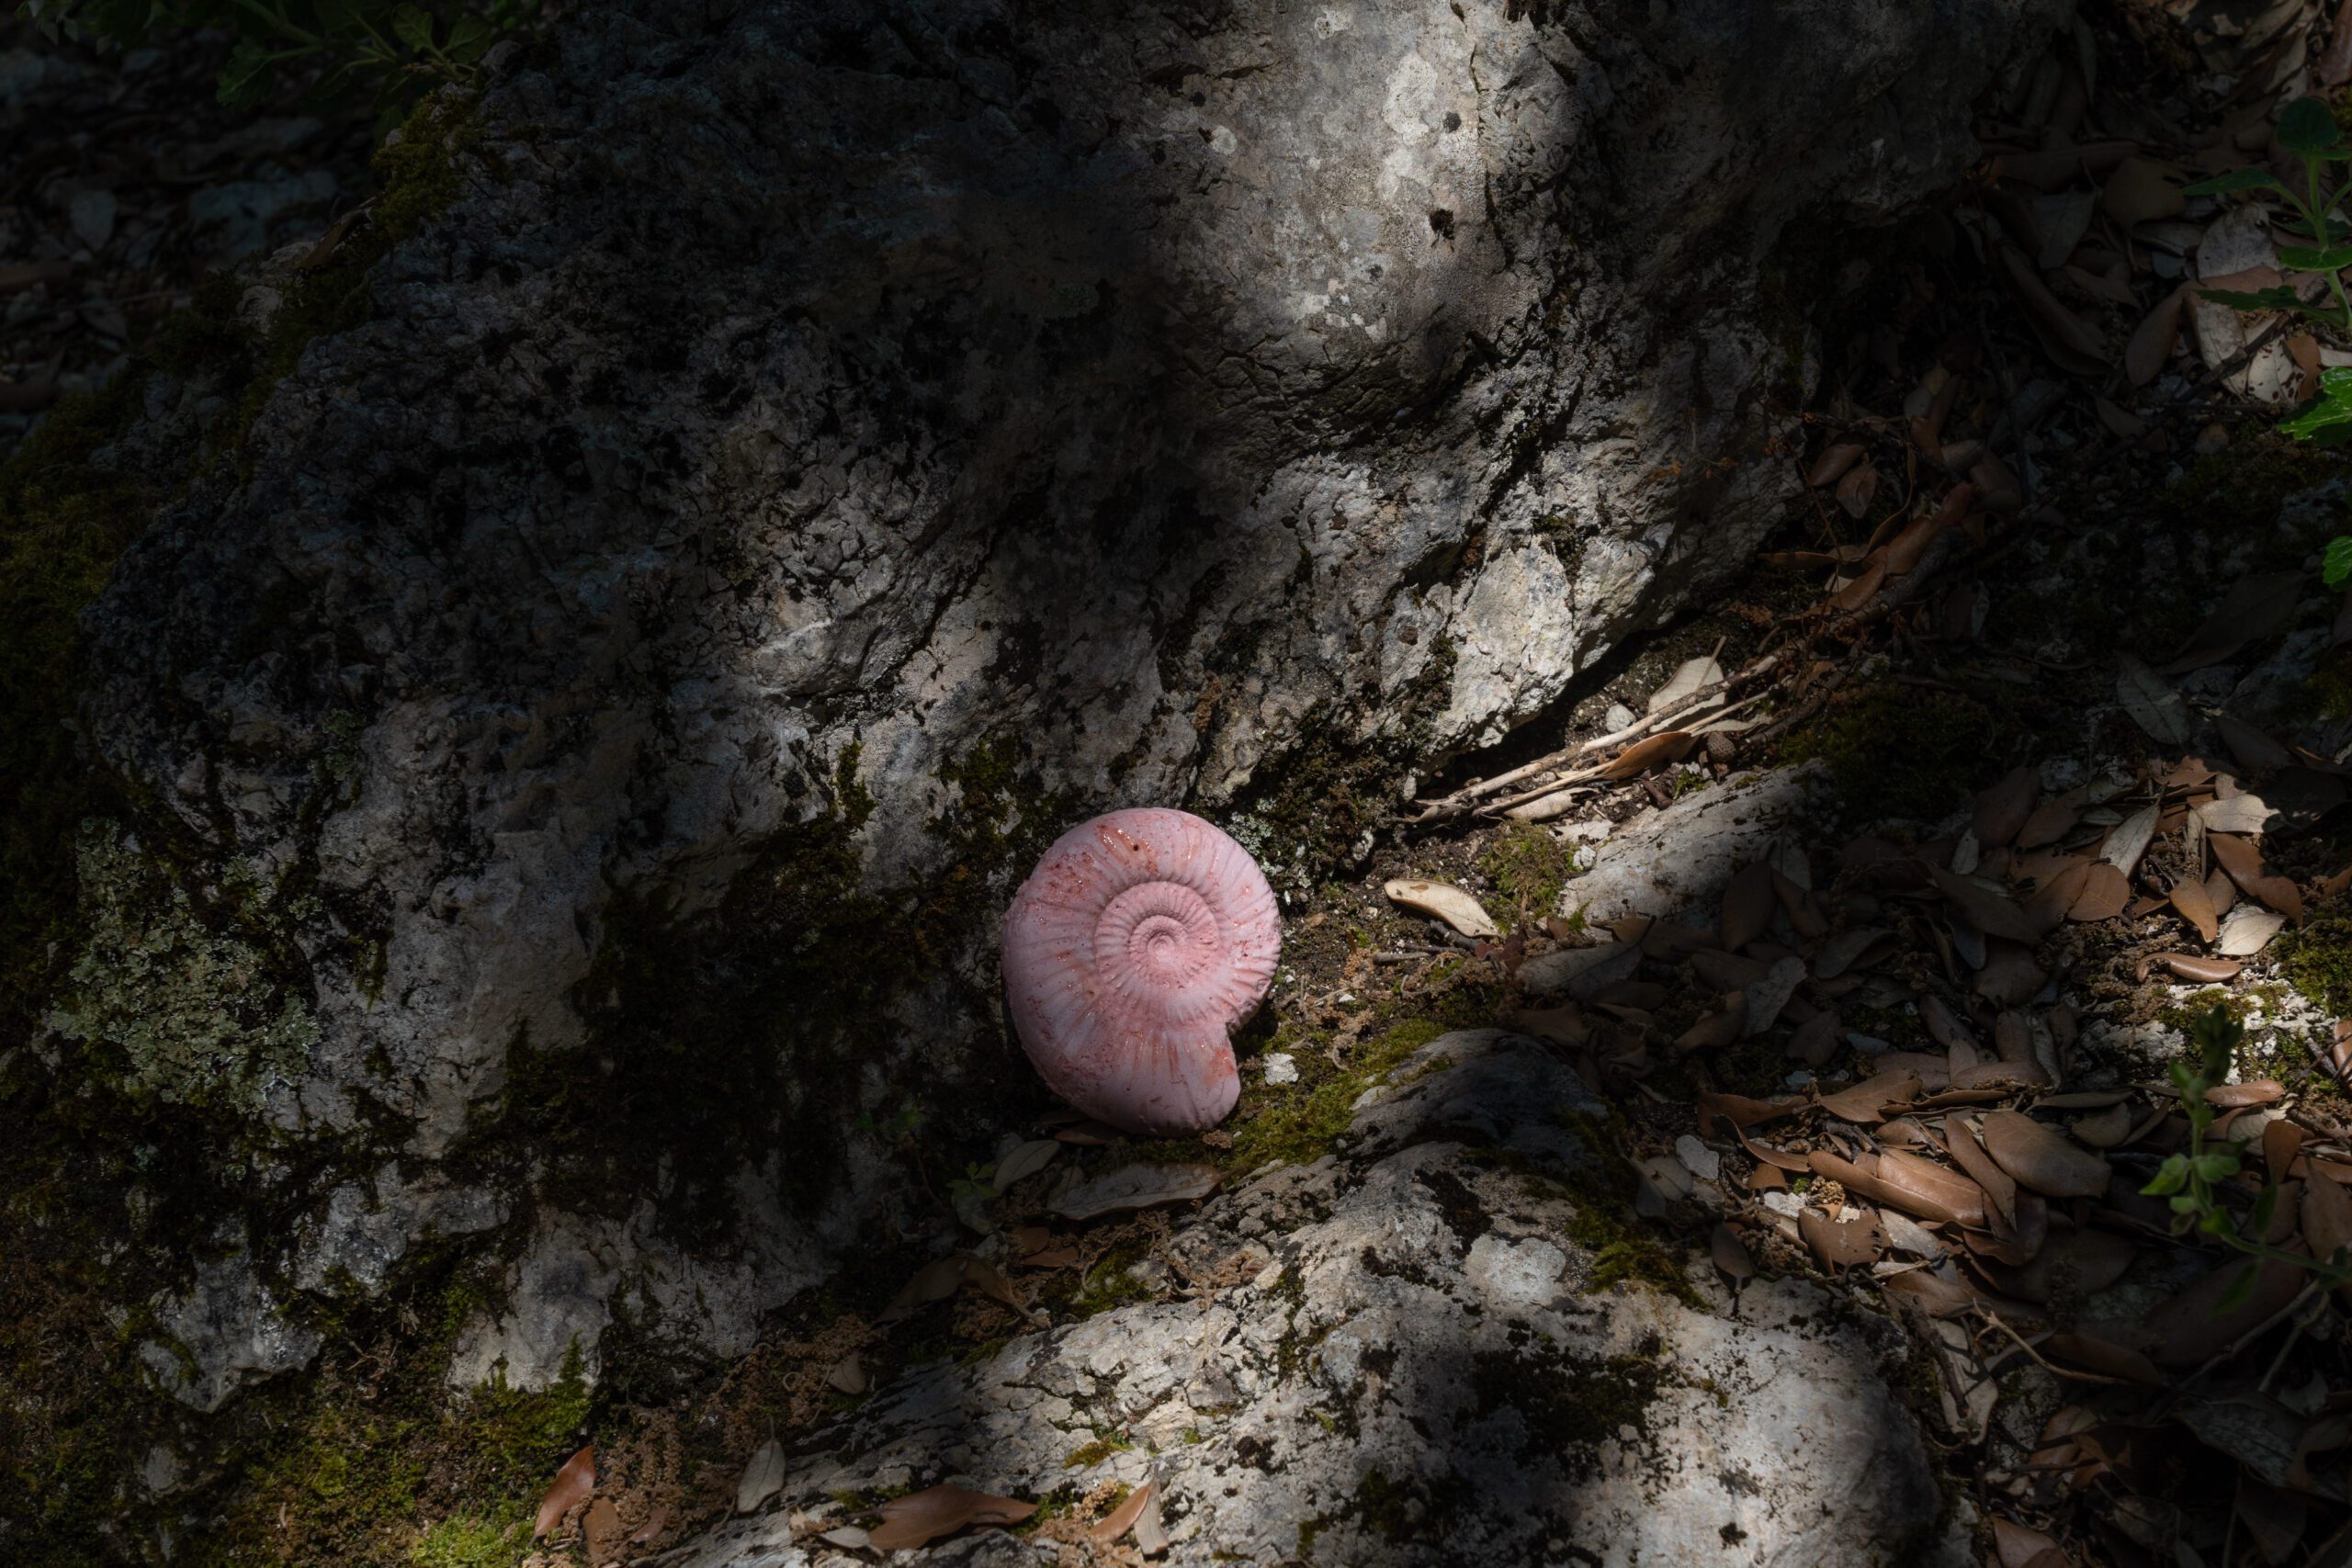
pixel 1740 1112
pixel 2118 420
pixel 762 1477
pixel 1905 551
pixel 920 1517
pixel 2253 608
pixel 2105 893
pixel 2071 341
pixel 2103 1357
pixel 1970 1156
pixel 1151 1536
pixel 2326 1220
pixel 2010 975
pixel 1668 746
pixel 2187 1329
pixel 1865 1181
pixel 1121 1520
pixel 1717 1028
pixel 2042 1158
pixel 601 1531
pixel 2051 821
pixel 989 1280
pixel 933 1282
pixel 2153 340
pixel 1143 1186
pixel 2001 810
pixel 2275 1517
pixel 2153 703
pixel 1731 1254
pixel 2253 1091
pixel 2189 966
pixel 2138 192
pixel 2106 1129
pixel 1908 1173
pixel 1863 589
pixel 1867 1101
pixel 2254 751
pixel 1749 899
pixel 2239 857
pixel 1989 910
pixel 1846 1245
pixel 573 1481
pixel 2281 1140
pixel 1832 464
pixel 2196 906
pixel 1857 490
pixel 2017 1546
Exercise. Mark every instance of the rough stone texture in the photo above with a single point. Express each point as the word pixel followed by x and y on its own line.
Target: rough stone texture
pixel 1667 861
pixel 1417 1373
pixel 1161 386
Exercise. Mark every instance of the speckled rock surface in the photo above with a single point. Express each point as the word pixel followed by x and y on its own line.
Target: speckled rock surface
pixel 1418 1370
pixel 800 400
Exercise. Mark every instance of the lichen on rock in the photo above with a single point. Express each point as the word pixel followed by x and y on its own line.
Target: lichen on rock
pixel 184 1009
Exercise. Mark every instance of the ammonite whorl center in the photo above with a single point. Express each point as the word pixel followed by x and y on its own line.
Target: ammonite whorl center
pixel 1164 930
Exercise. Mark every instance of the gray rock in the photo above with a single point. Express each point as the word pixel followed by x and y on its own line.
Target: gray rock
pixel 1423 1375
pixel 362 1234
pixel 818 389
pixel 1677 859
pixel 228 1328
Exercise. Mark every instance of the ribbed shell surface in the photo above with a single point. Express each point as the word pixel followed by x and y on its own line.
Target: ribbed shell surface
pixel 1141 940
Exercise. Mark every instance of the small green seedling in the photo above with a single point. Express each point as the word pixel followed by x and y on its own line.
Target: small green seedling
pixel 2326 421
pixel 2308 131
pixel 2194 1180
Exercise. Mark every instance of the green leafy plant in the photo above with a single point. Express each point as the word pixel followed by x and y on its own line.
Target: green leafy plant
pixel 2194 1180
pixel 396 50
pixel 2326 421
pixel 2308 131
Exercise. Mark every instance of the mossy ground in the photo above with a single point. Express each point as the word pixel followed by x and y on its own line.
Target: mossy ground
pixel 1529 868
pixel 1897 751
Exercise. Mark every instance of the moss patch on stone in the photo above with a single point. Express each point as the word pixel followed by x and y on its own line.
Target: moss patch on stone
pixel 182 1003
pixel 1300 1128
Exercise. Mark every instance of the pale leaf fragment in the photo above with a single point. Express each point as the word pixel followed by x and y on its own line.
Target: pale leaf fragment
pixel 1446 902
pixel 1692 677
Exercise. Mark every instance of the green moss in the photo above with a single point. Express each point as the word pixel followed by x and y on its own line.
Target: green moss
pixel 2317 960
pixel 1899 751
pixel 1529 868
pixel 418 1476
pixel 1301 1127
pixel 495 1540
pixel 1108 1283
pixel 181 1002
pixel 1103 1446
pixel 1623 1251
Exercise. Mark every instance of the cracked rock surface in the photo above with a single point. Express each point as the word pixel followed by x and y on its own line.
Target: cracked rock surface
pixel 1412 1363
pixel 799 398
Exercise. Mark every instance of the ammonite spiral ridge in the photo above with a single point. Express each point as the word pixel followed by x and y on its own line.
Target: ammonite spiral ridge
pixel 1139 942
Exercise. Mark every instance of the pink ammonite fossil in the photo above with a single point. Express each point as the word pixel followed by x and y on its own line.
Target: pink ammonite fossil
pixel 1133 950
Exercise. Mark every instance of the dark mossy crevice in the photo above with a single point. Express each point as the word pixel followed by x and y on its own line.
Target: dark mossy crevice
pixel 1898 751
pixel 753 1027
